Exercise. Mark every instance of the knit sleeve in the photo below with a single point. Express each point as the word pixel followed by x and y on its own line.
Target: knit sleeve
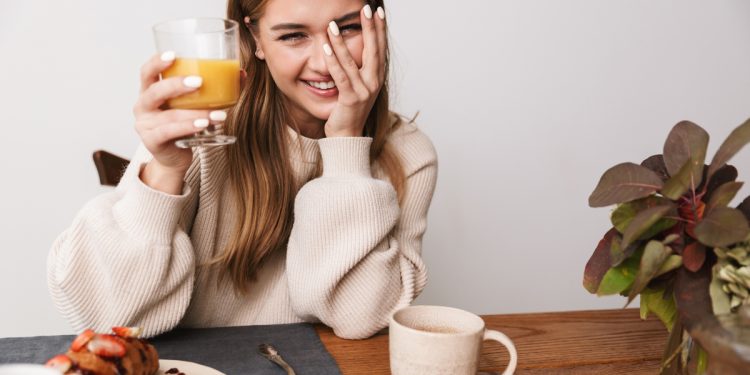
pixel 354 256
pixel 126 259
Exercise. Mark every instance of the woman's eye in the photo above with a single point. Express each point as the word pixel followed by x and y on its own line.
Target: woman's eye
pixel 351 27
pixel 293 36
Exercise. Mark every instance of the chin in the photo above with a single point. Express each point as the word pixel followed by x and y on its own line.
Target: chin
pixel 322 112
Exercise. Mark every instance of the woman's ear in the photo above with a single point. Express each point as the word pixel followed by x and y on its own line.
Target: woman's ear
pixel 254 32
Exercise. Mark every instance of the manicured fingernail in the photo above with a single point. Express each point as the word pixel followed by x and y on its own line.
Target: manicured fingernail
pixel 327 49
pixel 381 13
pixel 201 123
pixel 192 81
pixel 368 12
pixel 334 28
pixel 167 56
pixel 217 115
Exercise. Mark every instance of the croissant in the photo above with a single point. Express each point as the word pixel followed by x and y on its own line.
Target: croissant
pixel 103 354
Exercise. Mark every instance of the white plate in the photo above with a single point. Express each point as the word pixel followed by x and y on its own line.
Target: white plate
pixel 23 369
pixel 189 368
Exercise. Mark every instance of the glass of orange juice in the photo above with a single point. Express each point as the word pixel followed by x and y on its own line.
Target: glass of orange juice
pixel 209 48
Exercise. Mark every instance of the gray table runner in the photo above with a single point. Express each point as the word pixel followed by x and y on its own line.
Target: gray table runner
pixel 231 350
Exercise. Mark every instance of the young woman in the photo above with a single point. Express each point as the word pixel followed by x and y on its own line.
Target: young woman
pixel 316 214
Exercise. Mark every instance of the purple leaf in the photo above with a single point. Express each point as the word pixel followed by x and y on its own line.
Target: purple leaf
pixel 624 182
pixel 744 207
pixel 599 263
pixel 723 195
pixel 739 137
pixel 686 143
pixel 656 164
pixel 693 256
pixel 722 227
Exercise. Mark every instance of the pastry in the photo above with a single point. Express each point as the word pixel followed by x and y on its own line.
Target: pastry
pixel 104 354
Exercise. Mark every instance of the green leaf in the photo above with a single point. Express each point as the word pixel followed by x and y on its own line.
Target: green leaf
pixel 719 299
pixel 722 227
pixel 739 137
pixel 653 258
pixel 680 183
pixel 664 308
pixel 617 254
pixel 620 278
pixel 599 263
pixel 624 182
pixel 625 212
pixel 702 363
pixel 672 263
pixel 686 145
pixel 723 195
pixel 642 222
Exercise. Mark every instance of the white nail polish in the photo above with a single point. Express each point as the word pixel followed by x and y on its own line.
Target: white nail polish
pixel 368 12
pixel 334 28
pixel 217 115
pixel 192 81
pixel 201 123
pixel 327 49
pixel 167 56
pixel 381 13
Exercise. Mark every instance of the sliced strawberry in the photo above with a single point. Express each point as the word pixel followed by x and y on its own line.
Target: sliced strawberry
pixel 80 342
pixel 106 346
pixel 60 362
pixel 127 332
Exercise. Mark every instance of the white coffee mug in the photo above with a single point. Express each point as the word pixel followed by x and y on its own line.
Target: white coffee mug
pixel 440 340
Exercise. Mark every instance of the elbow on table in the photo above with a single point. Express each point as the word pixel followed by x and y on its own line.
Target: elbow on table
pixel 356 330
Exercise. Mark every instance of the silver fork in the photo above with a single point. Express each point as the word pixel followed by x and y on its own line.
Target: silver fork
pixel 273 355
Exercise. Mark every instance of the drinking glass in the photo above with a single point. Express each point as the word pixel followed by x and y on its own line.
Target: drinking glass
pixel 209 48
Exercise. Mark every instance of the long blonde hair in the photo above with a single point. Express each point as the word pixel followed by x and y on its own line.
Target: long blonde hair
pixel 261 174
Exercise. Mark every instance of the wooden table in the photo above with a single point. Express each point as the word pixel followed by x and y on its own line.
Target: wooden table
pixel 578 342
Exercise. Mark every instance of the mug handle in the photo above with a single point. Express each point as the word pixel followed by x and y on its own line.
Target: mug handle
pixel 505 341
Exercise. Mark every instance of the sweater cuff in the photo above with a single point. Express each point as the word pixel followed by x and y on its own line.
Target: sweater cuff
pixel 345 156
pixel 149 214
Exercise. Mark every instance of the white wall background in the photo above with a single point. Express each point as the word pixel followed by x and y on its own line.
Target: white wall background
pixel 527 102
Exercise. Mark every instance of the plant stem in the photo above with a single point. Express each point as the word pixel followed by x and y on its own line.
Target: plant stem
pixel 679 219
pixel 672 357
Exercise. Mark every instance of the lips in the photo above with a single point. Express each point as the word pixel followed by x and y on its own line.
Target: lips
pixel 322 93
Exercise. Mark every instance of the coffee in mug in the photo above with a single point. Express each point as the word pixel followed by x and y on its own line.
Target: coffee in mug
pixel 440 340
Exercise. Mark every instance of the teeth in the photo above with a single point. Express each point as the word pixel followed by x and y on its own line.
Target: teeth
pixel 322 85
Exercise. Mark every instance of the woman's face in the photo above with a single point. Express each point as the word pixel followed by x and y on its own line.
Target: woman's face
pixel 290 38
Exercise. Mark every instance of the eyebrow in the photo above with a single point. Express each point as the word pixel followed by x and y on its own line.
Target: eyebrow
pixel 297 26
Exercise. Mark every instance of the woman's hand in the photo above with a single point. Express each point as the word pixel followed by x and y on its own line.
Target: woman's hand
pixel 158 128
pixel 358 87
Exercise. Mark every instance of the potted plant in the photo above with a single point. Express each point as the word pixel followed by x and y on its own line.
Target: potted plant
pixel 677 244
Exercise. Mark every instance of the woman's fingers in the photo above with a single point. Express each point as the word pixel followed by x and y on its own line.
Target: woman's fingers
pixel 380 25
pixel 159 92
pixel 343 84
pixel 175 130
pixel 153 67
pixel 371 52
pixel 344 60
pixel 177 115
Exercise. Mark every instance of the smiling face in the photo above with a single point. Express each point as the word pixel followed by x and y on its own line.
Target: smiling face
pixel 290 36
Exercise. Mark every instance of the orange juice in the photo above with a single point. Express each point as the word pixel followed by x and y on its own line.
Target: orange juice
pixel 221 83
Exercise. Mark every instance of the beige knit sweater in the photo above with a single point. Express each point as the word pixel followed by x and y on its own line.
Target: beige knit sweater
pixel 131 256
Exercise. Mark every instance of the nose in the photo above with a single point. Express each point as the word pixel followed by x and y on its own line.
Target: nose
pixel 316 61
